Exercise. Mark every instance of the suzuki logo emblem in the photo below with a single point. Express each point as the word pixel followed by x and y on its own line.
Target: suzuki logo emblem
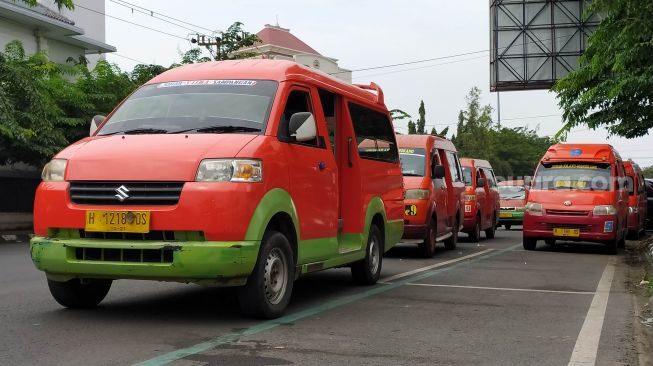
pixel 567 203
pixel 122 193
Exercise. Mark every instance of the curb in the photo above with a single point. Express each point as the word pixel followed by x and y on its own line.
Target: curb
pixel 14 238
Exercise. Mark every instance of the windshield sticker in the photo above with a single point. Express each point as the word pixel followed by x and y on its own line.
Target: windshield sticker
pixel 410 151
pixel 570 184
pixel 574 166
pixel 207 82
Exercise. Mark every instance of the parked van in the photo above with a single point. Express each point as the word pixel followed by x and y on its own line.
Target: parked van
pixel 481 198
pixel 578 193
pixel 235 173
pixel 637 210
pixel 512 199
pixel 434 191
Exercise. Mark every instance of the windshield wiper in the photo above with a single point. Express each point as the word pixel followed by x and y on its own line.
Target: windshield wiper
pixel 137 131
pixel 221 129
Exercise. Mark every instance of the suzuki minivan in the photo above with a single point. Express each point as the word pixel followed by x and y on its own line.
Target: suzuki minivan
pixel 234 173
pixel 577 194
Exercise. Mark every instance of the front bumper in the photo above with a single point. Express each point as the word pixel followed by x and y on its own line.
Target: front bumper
pixel 204 262
pixel 592 228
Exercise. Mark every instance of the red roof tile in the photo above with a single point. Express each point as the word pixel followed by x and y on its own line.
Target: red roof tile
pixel 277 36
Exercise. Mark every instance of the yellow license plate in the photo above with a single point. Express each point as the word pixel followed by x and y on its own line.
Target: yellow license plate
pixel 118 221
pixel 410 210
pixel 559 231
pixel 505 214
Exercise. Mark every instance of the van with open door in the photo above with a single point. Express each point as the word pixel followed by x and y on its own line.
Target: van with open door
pixel 481 198
pixel 578 193
pixel 434 191
pixel 637 206
pixel 242 173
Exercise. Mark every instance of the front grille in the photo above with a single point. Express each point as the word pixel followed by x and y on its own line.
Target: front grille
pixel 124 255
pixel 152 235
pixel 133 194
pixel 567 212
pixel 583 228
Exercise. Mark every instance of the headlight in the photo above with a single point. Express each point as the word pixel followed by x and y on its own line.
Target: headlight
pixel 229 170
pixel 417 194
pixel 54 170
pixel 470 197
pixel 533 208
pixel 604 210
pixel 520 209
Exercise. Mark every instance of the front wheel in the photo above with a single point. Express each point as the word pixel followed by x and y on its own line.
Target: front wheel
pixel 427 247
pixel 368 270
pixel 507 226
pixel 451 242
pixel 530 243
pixel 475 234
pixel 269 287
pixel 79 293
pixel 491 231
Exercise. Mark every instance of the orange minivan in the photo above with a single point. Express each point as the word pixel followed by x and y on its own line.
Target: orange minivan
pixel 637 204
pixel 242 173
pixel 578 193
pixel 482 202
pixel 434 191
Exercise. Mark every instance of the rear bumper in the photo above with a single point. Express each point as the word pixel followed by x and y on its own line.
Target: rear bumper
pixel 592 228
pixel 205 262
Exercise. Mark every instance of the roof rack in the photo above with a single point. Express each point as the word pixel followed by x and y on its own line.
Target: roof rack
pixel 375 87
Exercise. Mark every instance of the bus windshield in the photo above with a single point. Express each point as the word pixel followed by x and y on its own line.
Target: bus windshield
pixel 573 176
pixel 413 162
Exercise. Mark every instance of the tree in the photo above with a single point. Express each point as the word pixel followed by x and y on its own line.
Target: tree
pixel 613 85
pixel 421 120
pixel 648 172
pixel 442 133
pixel 227 47
pixel 412 128
pixel 473 129
pixel 60 3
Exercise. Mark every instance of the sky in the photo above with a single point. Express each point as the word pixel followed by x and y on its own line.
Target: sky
pixel 363 34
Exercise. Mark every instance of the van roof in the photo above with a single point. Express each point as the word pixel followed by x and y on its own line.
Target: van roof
pixel 424 140
pixel 479 163
pixel 262 69
pixel 581 152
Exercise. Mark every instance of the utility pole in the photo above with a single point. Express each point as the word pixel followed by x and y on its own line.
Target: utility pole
pixel 208 42
pixel 498 110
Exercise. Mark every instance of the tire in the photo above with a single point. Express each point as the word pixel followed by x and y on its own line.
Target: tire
pixel 550 241
pixel 490 232
pixel 611 246
pixel 530 243
pixel 507 226
pixel 368 270
pixel 78 293
pixel 451 242
pixel 269 286
pixel 427 247
pixel 475 234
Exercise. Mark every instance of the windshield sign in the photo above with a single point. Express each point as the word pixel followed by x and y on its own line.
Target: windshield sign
pixel 196 106
pixel 413 162
pixel 512 192
pixel 573 176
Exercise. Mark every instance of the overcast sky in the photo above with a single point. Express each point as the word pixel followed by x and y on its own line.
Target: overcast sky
pixel 363 34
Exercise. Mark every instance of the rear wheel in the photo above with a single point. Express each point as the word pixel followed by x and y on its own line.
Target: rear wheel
pixel 269 286
pixel 368 270
pixel 507 226
pixel 491 231
pixel 530 243
pixel 79 293
pixel 451 242
pixel 475 234
pixel 427 247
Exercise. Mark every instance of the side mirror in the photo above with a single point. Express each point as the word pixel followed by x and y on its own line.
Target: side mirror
pixel 96 121
pixel 302 126
pixel 480 182
pixel 437 172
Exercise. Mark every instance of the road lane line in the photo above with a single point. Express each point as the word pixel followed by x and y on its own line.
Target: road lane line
pixel 178 354
pixel 503 289
pixel 441 264
pixel 587 343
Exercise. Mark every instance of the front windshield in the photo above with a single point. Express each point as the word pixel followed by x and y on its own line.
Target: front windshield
pixel 573 176
pixel 467 175
pixel 512 192
pixel 186 106
pixel 413 161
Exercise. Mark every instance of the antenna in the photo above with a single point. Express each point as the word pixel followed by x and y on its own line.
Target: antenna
pixel 277 16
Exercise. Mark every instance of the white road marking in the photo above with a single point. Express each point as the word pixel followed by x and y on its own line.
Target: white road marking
pixel 587 343
pixel 441 264
pixel 503 289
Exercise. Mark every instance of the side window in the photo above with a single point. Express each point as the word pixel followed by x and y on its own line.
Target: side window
pixel 328 101
pixel 374 134
pixel 491 179
pixel 454 167
pixel 298 101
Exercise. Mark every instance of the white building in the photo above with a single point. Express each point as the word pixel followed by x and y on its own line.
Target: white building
pixel 61 33
pixel 279 44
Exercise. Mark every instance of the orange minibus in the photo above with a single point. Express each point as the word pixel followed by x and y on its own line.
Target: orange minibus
pixel 637 203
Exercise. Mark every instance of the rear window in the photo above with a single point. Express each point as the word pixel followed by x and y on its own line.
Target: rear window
pixel 413 162
pixel 573 176
pixel 374 134
pixel 467 175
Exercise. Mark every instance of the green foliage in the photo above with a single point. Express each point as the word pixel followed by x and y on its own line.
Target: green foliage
pixel 412 128
pixel 60 3
pixel 442 133
pixel 648 172
pixel 511 151
pixel 227 47
pixel 613 87
pixel 421 121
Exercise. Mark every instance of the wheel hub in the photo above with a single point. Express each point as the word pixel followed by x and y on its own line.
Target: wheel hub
pixel 276 278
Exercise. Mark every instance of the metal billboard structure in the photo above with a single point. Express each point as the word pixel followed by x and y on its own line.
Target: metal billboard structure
pixel 533 43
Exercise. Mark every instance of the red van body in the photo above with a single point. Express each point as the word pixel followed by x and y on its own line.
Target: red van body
pixel 637 204
pixel 578 193
pixel 481 201
pixel 434 191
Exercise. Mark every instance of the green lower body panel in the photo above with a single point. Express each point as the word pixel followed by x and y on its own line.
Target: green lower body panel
pixel 511 217
pixel 204 262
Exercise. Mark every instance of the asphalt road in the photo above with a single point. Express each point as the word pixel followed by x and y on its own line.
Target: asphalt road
pixel 483 303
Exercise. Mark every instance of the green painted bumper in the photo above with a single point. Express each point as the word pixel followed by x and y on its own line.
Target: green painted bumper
pixel 516 216
pixel 204 262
